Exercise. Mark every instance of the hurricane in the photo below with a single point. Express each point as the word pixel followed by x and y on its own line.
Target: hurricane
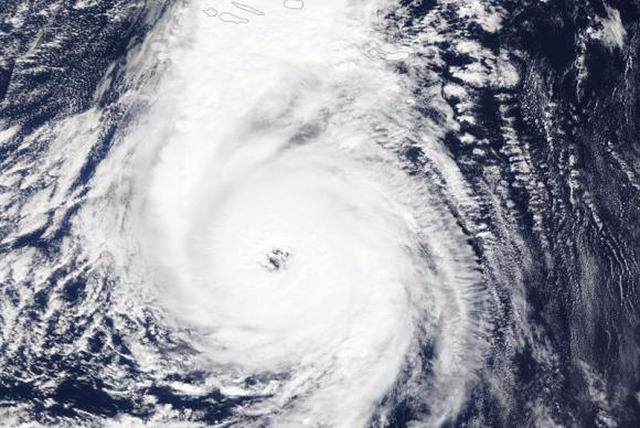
pixel 337 213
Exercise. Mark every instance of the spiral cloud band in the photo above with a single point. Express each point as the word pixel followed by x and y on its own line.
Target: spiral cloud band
pixel 281 228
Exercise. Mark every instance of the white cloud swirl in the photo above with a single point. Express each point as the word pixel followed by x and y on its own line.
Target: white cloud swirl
pixel 284 232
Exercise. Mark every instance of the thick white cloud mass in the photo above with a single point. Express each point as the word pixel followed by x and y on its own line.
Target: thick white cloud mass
pixel 271 218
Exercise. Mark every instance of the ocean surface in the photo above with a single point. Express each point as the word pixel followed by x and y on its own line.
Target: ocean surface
pixel 336 213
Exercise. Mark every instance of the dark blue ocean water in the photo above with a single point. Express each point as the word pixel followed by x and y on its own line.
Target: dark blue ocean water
pixel 581 292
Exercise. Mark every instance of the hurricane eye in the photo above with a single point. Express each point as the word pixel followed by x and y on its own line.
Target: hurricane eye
pixel 276 260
